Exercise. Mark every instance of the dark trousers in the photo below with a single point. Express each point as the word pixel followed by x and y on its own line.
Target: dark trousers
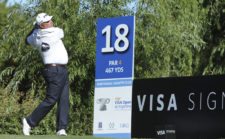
pixel 57 92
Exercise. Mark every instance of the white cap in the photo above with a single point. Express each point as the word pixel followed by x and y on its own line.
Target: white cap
pixel 42 17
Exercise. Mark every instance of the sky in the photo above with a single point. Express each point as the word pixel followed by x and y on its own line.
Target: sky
pixel 11 2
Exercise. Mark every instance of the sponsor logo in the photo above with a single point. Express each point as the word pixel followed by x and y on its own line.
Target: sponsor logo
pixel 160 99
pixel 122 104
pixel 196 101
pixel 124 125
pixel 99 125
pixel 164 132
pixel 102 103
pixel 161 132
pixel 111 125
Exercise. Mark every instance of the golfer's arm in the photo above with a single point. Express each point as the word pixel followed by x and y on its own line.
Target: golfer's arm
pixel 26 40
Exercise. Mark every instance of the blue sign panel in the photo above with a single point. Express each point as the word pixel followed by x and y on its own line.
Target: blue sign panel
pixel 115 47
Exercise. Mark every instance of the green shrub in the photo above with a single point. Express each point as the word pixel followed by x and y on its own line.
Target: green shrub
pixel 12 110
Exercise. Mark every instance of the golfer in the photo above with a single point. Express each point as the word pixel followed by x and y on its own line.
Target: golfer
pixel 48 40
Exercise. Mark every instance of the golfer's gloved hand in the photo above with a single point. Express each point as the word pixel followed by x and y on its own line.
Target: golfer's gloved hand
pixel 35 26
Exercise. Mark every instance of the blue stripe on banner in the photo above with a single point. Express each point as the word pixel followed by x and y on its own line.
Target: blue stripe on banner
pixel 115 135
pixel 113 83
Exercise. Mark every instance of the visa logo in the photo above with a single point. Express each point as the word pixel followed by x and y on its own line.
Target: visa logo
pixel 161 132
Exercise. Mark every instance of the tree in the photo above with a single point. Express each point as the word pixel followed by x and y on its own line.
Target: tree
pixel 214 37
pixel 3 15
pixel 169 38
pixel 3 22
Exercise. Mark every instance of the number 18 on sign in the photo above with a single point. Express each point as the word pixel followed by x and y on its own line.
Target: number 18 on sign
pixel 114 53
pixel 114 77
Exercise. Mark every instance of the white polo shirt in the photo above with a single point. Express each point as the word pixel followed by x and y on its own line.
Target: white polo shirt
pixel 49 43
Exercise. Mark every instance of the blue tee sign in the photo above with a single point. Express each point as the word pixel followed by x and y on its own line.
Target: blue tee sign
pixel 114 77
pixel 115 47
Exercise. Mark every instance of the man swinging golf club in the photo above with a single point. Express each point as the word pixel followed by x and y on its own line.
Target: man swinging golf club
pixel 48 40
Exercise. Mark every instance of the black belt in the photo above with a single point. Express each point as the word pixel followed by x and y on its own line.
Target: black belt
pixel 55 65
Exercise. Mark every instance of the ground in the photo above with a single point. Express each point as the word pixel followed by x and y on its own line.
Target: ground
pixel 46 137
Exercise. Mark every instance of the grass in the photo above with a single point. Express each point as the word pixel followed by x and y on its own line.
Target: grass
pixel 46 137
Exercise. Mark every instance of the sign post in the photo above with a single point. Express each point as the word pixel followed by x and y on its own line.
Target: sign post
pixel 114 76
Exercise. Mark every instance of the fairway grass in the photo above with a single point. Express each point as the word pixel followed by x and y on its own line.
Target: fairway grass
pixel 47 137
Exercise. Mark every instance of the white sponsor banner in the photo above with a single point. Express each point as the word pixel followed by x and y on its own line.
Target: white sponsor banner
pixel 112 111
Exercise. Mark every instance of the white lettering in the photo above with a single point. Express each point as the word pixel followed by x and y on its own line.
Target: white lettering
pixel 193 106
pixel 170 131
pixel 161 132
pixel 200 105
pixel 141 103
pixel 223 96
pixel 214 101
pixel 160 102
pixel 150 102
pixel 172 103
pixel 196 101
